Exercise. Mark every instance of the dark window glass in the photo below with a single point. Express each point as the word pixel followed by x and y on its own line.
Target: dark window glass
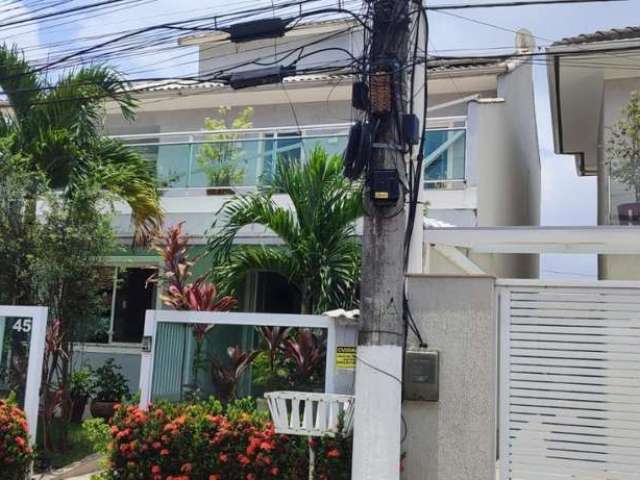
pixel 276 295
pixel 133 298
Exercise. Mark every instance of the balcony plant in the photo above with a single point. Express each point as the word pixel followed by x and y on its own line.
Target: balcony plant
pixel 623 152
pixel 221 159
pixel 110 388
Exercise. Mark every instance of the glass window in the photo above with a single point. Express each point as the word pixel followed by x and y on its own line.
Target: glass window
pixel 275 295
pixel 133 298
pixel 122 315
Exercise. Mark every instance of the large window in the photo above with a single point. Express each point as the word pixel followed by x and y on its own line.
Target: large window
pixel 126 296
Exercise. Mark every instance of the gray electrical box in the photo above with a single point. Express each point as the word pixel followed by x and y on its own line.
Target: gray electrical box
pixel 421 376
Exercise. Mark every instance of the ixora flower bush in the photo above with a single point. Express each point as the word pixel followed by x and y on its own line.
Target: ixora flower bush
pixel 204 441
pixel 15 453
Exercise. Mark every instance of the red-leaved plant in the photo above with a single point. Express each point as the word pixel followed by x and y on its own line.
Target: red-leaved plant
pixel 225 375
pixel 307 353
pixel 181 294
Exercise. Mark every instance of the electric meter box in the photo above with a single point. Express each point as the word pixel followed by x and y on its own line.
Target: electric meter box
pixel 422 376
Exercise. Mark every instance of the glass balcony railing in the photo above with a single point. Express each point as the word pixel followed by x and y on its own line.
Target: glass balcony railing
pixel 445 158
pixel 231 162
pixel 227 159
pixel 624 193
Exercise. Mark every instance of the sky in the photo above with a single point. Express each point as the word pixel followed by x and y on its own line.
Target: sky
pixel 566 198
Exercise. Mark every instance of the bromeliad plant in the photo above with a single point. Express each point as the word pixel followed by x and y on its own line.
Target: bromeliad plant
pixel 182 294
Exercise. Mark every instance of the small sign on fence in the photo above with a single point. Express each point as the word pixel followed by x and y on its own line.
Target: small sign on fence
pixel 346 358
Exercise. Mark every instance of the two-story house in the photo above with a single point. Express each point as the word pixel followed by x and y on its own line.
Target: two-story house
pixel 591 79
pixel 481 167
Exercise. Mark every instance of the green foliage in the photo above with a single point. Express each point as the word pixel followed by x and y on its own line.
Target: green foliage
pixel 19 188
pixel 98 433
pixel 222 160
pixel 623 147
pixel 82 382
pixel 201 442
pixel 320 254
pixel 110 385
pixel 59 127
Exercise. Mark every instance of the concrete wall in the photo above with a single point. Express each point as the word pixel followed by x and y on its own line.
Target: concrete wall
pixel 455 438
pixel 610 192
pixel 505 165
pixel 97 356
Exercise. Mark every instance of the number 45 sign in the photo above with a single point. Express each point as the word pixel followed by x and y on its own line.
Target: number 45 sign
pixel 22 325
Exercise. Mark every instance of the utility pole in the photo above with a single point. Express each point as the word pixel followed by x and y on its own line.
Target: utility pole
pixel 377 432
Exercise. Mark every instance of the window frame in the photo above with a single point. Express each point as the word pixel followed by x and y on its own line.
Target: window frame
pixel 118 262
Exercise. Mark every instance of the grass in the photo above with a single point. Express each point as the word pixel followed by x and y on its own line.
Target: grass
pixel 79 445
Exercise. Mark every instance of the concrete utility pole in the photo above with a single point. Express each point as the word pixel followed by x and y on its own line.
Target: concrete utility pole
pixel 377 433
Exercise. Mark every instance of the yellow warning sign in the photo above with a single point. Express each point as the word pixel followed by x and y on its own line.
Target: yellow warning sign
pixel 346 358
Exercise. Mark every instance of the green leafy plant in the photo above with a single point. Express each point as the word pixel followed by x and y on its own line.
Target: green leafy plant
pixel 222 158
pixel 319 255
pixel 98 432
pixel 623 147
pixel 82 382
pixel 110 385
pixel 203 441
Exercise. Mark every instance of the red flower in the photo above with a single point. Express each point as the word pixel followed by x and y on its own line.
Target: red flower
pixel 164 452
pixel 21 442
pixel 333 453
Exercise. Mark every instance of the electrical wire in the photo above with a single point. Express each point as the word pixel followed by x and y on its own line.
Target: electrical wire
pixel 514 4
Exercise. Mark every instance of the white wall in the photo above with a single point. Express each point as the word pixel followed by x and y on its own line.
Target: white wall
pixel 455 438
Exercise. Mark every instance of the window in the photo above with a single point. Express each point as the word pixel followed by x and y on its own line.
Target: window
pixel 274 294
pixel 125 297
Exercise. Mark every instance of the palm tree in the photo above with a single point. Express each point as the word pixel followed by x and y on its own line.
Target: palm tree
pixel 60 127
pixel 320 254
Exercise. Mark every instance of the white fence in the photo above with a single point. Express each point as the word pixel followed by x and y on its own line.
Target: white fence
pixel 570 380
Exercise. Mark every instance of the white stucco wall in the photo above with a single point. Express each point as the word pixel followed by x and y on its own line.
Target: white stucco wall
pixel 455 438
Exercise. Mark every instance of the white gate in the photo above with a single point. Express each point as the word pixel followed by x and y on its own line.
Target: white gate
pixel 570 380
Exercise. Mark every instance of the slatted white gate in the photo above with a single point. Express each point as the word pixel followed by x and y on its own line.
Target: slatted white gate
pixel 570 380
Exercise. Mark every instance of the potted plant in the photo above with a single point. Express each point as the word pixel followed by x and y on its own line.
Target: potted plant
pixel 624 157
pixel 81 390
pixel 110 387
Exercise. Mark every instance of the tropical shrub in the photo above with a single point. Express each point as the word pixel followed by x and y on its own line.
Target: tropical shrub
pixel 110 385
pixel 15 453
pixel 206 441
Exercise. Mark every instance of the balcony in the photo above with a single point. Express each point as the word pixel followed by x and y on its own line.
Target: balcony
pixel 624 193
pixel 247 158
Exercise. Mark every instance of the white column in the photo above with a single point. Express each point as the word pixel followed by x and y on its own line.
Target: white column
pixel 377 435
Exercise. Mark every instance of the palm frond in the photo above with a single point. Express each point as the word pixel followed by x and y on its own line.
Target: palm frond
pixel 18 81
pixel 320 255
pixel 131 178
pixel 77 101
pixel 244 210
pixel 241 261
